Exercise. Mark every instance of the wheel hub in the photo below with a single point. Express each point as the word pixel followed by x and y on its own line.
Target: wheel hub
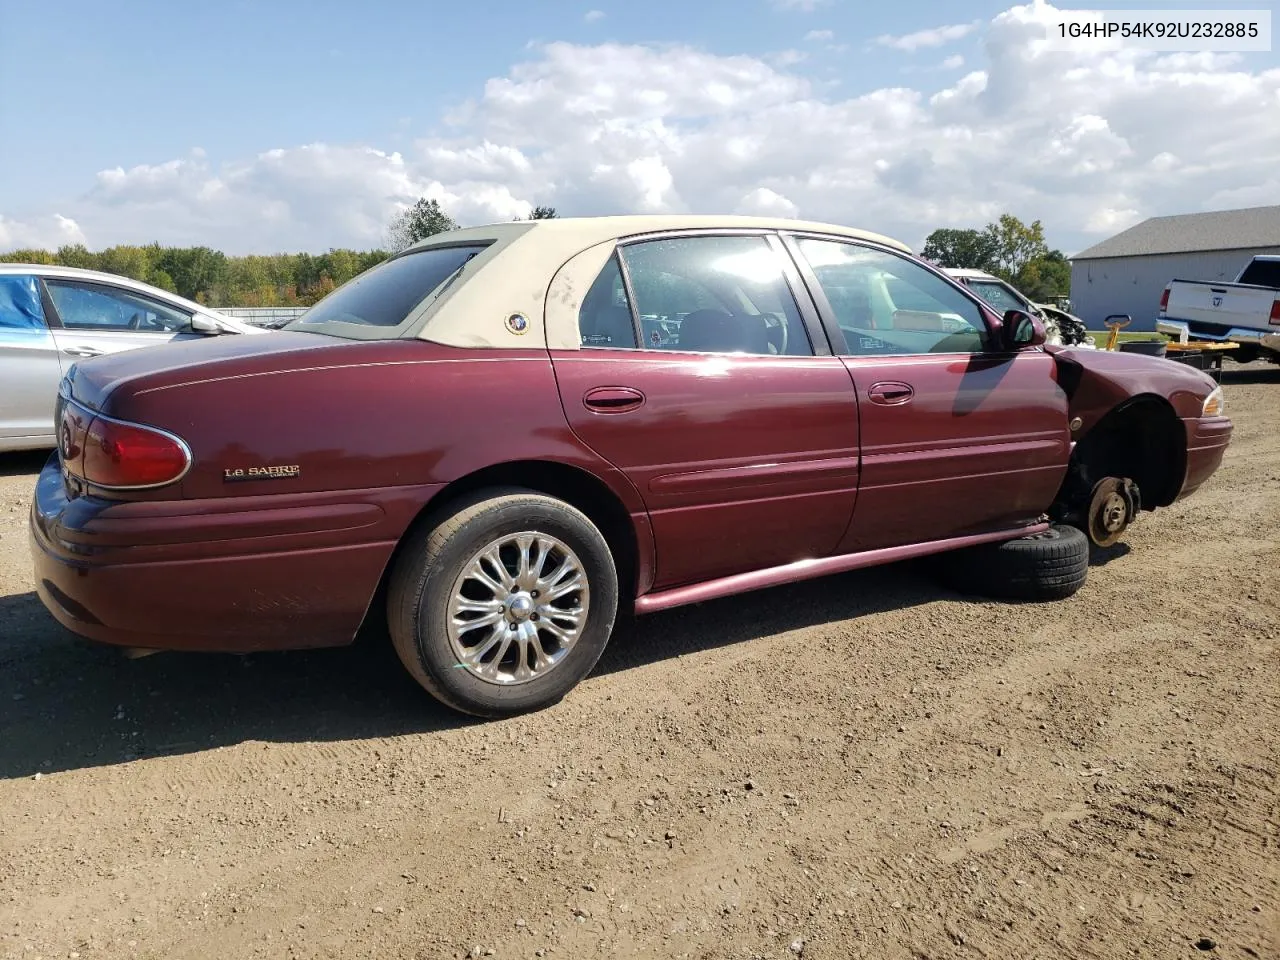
pixel 1112 508
pixel 520 606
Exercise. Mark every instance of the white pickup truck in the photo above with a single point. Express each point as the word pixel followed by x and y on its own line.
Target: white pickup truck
pixel 1246 312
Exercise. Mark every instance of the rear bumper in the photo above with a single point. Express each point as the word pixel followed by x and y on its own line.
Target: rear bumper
pixel 1267 339
pixel 242 574
pixel 1207 440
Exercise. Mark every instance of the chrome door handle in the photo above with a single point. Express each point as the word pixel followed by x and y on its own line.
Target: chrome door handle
pixel 890 393
pixel 82 351
pixel 613 399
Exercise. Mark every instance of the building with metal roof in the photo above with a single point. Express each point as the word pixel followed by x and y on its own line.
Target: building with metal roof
pixel 1127 273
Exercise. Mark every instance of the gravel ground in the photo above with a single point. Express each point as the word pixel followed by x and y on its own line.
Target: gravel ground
pixel 865 765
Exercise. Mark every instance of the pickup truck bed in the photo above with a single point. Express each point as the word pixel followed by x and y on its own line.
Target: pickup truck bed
pixel 1246 312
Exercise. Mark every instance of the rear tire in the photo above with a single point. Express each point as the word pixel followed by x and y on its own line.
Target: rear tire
pixel 506 605
pixel 1046 566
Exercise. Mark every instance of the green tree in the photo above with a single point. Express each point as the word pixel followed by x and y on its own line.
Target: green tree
pixel 426 218
pixel 77 255
pixel 1015 244
pixel 124 261
pixel 196 271
pixel 162 280
pixel 543 213
pixel 28 256
pixel 973 249
pixel 1046 277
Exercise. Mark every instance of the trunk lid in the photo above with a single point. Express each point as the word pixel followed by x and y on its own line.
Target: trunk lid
pixel 91 382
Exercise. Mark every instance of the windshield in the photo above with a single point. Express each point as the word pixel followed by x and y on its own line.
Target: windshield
pixel 385 295
pixel 998 295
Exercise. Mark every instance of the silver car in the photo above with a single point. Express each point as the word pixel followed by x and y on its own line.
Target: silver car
pixel 50 317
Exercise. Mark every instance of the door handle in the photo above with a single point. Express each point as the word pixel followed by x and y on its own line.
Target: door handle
pixel 613 399
pixel 82 351
pixel 890 393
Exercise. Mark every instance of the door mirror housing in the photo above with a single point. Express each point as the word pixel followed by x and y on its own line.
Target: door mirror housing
pixel 1020 329
pixel 206 325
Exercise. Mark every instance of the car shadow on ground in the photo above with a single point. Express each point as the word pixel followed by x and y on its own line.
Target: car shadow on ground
pixel 25 462
pixel 1101 556
pixel 67 704
pixel 1252 374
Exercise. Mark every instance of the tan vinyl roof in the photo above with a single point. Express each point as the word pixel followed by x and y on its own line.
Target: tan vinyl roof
pixel 545 267
pixel 588 231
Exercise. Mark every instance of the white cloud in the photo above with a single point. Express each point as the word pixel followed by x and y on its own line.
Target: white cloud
pixel 1087 142
pixel 818 36
pixel 805 6
pixel 591 16
pixel 41 233
pixel 934 37
pixel 953 63
pixel 787 58
pixel 763 202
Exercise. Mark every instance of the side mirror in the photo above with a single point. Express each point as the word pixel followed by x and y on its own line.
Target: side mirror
pixel 202 324
pixel 1021 329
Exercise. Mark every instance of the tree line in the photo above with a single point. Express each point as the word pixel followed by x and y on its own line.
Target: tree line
pixel 211 277
pixel 259 280
pixel 1007 248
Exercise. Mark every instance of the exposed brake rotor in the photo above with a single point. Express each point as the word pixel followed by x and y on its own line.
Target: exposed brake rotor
pixel 1112 507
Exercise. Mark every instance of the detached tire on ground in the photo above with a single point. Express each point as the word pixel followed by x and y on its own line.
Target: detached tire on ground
pixel 506 605
pixel 1046 566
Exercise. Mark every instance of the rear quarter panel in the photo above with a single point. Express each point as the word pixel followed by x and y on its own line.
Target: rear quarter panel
pixel 362 415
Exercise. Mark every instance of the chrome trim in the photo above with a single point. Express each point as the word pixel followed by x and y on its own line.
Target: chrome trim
pixel 1263 338
pixel 182 444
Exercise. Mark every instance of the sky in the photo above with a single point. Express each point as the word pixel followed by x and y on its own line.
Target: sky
pixel 259 127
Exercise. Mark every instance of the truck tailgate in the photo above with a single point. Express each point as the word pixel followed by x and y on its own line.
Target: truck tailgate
pixel 1223 304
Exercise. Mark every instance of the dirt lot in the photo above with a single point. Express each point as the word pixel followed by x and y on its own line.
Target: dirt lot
pixel 861 766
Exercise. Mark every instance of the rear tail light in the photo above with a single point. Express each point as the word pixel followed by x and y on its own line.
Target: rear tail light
pixel 1164 300
pixel 127 456
pixel 1275 311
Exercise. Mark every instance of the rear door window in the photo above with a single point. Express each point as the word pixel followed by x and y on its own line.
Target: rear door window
pixel 714 294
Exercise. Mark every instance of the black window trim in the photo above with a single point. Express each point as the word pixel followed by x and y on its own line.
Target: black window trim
pixel 819 343
pixel 790 240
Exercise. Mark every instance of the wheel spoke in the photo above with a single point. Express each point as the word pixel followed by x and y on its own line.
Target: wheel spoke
pixel 479 571
pixel 567 566
pixel 535 640
pixel 570 615
pixel 476 653
pixel 575 582
pixel 533 555
pixel 523 672
pixel 464 624
pixel 566 637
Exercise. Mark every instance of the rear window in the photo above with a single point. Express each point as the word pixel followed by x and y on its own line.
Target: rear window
pixel 386 294
pixel 1262 273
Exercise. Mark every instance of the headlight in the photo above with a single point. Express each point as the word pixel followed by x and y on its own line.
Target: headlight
pixel 1215 405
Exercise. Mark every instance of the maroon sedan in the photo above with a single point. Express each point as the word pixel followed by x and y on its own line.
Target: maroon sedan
pixel 506 433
